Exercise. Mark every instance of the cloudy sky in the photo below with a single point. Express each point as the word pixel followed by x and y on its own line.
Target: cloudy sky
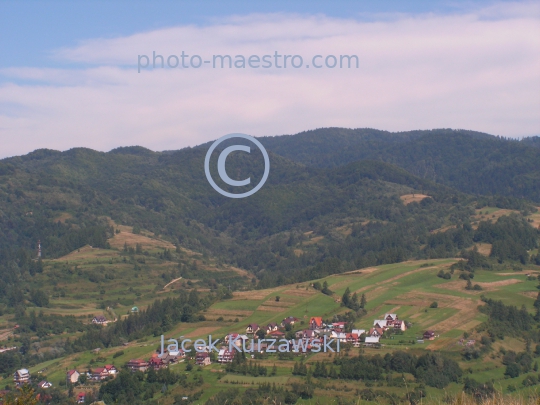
pixel 69 72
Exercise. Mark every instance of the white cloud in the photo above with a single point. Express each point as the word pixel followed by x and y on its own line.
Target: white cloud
pixel 478 71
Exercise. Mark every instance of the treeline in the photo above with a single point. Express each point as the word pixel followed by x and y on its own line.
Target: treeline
pixel 264 394
pixel 433 369
pixel 157 319
pixel 377 243
pixel 505 320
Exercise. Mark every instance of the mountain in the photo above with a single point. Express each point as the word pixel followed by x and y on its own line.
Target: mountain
pixel 469 161
pixel 66 200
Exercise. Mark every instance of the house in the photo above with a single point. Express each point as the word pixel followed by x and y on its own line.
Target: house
pixel 400 325
pixel 339 326
pixel 391 317
pixel 173 356
pixel 72 376
pixel 225 356
pixel 308 334
pixel 99 374
pixel 236 338
pixel 111 369
pixel 137 365
pixel 342 337
pixel 135 309
pixel 429 335
pixel 81 396
pixel 202 359
pixel 156 363
pixel 44 384
pixel 370 340
pixel 277 334
pixel 359 331
pixel 271 327
pixel 99 320
pixel 315 322
pixel 376 332
pixel 21 377
pixel 380 323
pixel 351 338
pixel 290 320
pixel 252 328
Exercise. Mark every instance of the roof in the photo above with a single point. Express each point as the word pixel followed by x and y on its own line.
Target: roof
pixel 71 372
pixel 202 354
pixel 317 320
pixel 393 316
pixel 99 370
pixel 370 339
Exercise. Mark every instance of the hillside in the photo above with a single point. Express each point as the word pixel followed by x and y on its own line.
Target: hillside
pixel 141 238
pixel 469 161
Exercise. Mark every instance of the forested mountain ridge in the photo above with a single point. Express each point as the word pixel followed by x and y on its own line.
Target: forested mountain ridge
pixel 167 193
pixel 469 161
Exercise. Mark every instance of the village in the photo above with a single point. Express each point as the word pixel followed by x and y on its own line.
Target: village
pixel 285 331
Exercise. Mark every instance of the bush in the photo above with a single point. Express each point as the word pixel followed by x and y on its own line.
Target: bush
pixel 118 354
pixel 434 304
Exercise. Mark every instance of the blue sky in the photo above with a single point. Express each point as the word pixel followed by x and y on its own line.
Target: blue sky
pixel 31 30
pixel 69 75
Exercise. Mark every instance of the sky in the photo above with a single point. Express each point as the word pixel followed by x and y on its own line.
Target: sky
pixel 80 74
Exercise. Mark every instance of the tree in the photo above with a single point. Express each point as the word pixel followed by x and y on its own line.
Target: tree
pixel 82 378
pixel 345 299
pixel 325 289
pixel 24 396
pixel 278 298
pixel 434 304
pixel 363 301
pixel 512 370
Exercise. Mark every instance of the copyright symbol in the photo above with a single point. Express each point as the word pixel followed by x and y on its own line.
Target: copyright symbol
pixel 221 166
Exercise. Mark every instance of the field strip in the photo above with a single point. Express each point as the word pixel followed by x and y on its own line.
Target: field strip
pixel 459 285
pixel 203 330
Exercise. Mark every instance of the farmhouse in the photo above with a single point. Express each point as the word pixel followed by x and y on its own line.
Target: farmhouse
pixel 111 369
pixel 391 317
pixel 429 335
pixel 290 320
pixel 203 359
pixel 156 363
pixel 21 377
pixel 376 332
pixel 44 384
pixel 137 365
pixel 99 374
pixel 252 328
pixel 72 376
pixel 81 397
pixel 400 325
pixel 277 334
pixel 315 322
pixel 339 326
pixel 99 320
pixel 380 324
pixel 271 327
pixel 225 356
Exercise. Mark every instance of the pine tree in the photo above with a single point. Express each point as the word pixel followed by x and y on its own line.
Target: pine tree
pixel 345 299
pixel 363 301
